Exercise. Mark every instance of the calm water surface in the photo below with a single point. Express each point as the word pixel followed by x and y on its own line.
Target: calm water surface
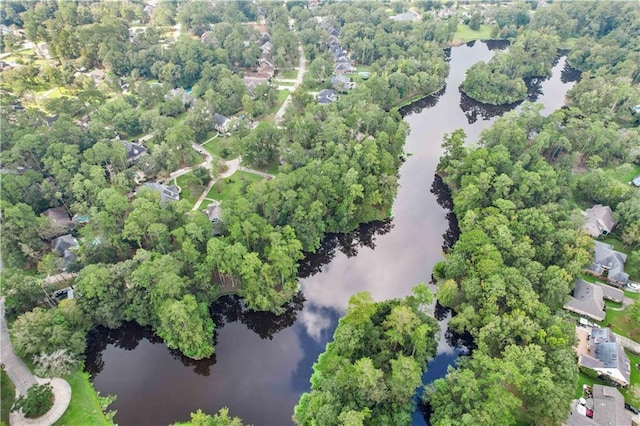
pixel 263 363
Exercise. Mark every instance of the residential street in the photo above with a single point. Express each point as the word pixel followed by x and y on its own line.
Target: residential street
pixel 298 81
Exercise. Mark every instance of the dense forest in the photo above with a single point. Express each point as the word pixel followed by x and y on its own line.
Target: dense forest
pixel 82 81
pixel 520 249
pixel 121 72
pixel 370 371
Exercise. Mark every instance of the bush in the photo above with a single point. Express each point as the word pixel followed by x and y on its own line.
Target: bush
pixel 38 401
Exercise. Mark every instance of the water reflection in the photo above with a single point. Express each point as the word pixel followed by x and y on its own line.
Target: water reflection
pixel 569 74
pixel 497 44
pixel 349 244
pixel 421 104
pixel 443 196
pixel 474 110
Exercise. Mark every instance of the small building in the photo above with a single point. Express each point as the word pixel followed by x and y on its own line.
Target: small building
pixel 221 123
pixel 605 356
pixel 587 300
pixel 59 220
pixel 598 220
pixel 609 264
pixel 134 151
pixel 167 193
pixel 327 96
pixel 636 181
pixel 266 46
pixel 42 50
pixel 64 247
pixel 605 406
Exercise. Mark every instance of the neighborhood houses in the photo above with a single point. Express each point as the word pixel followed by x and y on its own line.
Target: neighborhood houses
pixel 598 220
pixel 608 265
pixel 599 351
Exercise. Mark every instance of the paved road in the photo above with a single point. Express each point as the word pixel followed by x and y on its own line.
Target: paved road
pixel 298 81
pixel 13 365
pixel 62 397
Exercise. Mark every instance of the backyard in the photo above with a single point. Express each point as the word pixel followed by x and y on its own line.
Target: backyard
pixel 464 34
pixel 190 191
pixel 230 187
pixel 291 74
pixel 225 147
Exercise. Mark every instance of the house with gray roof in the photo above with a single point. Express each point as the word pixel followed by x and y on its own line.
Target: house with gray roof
pixel 344 68
pixel 341 83
pixel 64 247
pixel 327 96
pixel 221 122
pixel 598 220
pixel 134 151
pixel 605 406
pixel 606 357
pixel 609 264
pixel 405 17
pixel 587 300
pixel 167 192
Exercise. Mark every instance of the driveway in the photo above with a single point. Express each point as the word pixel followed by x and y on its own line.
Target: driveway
pixel 298 81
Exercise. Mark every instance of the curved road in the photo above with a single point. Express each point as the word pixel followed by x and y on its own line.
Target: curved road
pixel 13 365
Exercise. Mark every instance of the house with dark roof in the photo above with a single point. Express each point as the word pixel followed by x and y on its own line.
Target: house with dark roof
pixel 64 247
pixel 598 220
pixel 59 220
pixel 587 300
pixel 609 264
pixel 333 31
pixel 327 96
pixel 341 83
pixel 167 192
pixel 134 151
pixel 605 406
pixel 606 357
pixel 344 68
pixel 221 123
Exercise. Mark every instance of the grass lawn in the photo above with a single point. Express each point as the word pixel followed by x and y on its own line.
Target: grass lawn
pixel 288 74
pixel 282 95
pixel 364 68
pixel 618 323
pixel 225 147
pixel 230 187
pixel 7 393
pixel 189 193
pixel 284 83
pixel 464 34
pixel 271 168
pixel 623 173
pixel 85 407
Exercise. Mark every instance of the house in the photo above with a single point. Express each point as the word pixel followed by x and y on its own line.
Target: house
pixel 605 406
pixel 636 109
pixel 213 212
pixel 98 76
pixel 252 80
pixel 148 9
pixel 605 356
pixel 341 83
pixel 208 37
pixel 344 68
pixel 265 37
pixel 42 50
pixel 587 299
pixel 333 31
pixel 222 123
pixel 64 247
pixel 167 192
pixel 406 17
pixel 327 96
pixel 59 220
pixel 134 151
pixel 598 220
pixel 609 264
pixel 266 47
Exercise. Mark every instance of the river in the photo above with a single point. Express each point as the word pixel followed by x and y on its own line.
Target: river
pixel 263 363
